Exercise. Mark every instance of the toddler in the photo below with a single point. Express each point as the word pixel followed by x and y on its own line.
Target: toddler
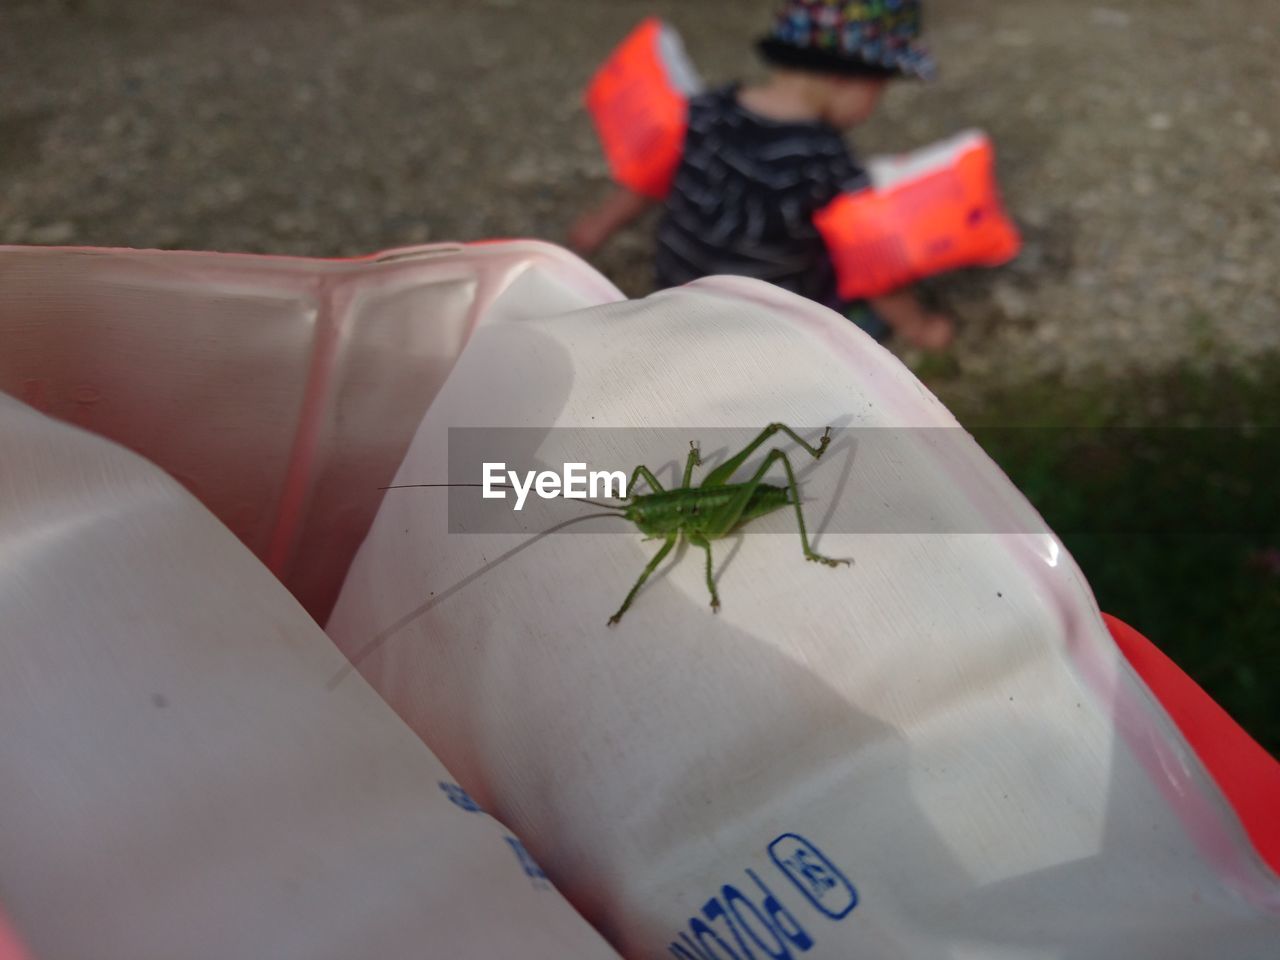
pixel 759 161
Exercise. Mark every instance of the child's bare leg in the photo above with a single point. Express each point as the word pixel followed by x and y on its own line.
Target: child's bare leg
pixel 919 327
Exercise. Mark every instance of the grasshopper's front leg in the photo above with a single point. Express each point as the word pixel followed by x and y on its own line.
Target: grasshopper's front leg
pixel 653 565
pixel 647 474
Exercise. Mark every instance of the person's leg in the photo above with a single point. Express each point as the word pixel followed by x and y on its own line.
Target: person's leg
pixel 916 325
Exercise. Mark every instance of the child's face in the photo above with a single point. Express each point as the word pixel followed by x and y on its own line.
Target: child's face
pixel 853 100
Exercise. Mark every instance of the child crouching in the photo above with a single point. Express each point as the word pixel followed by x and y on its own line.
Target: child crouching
pixel 759 161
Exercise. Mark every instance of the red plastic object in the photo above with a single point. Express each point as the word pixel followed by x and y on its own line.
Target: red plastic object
pixel 1247 774
pixel 942 212
pixel 640 112
pixel 10 948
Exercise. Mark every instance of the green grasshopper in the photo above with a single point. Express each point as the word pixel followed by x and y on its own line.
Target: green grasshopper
pixel 716 508
pixel 710 511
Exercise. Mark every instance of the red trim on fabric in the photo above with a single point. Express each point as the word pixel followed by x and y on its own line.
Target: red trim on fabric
pixel 1247 774
pixel 10 948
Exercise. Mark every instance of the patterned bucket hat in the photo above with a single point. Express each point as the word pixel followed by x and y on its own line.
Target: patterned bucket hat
pixel 858 37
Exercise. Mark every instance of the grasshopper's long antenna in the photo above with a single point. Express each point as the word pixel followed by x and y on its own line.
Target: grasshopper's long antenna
pixel 407 486
pixel 495 486
pixel 384 635
pixel 597 503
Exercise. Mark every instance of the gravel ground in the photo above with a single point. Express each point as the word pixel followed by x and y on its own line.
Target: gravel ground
pixel 1139 146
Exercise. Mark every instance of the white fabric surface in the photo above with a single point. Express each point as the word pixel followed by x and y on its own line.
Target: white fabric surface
pixel 280 391
pixel 177 777
pixel 947 721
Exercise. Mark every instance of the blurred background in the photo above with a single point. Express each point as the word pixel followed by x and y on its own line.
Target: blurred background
pixel 1125 370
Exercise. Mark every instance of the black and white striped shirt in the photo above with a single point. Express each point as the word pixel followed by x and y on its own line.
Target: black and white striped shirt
pixel 744 196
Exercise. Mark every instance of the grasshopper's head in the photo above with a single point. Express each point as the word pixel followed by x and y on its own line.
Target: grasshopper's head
pixel 653 517
pixel 642 517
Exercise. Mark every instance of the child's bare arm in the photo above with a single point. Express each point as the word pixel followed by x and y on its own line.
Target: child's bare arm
pixel 593 228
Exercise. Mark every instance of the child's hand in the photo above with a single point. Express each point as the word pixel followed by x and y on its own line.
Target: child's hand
pixel 593 228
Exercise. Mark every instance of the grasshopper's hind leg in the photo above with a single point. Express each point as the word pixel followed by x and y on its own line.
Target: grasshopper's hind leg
pixel 726 517
pixel 653 565
pixel 794 487
pixel 705 544
pixel 721 474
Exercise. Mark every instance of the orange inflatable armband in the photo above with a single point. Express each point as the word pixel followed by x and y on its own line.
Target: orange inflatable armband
pixel 639 101
pixel 927 212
